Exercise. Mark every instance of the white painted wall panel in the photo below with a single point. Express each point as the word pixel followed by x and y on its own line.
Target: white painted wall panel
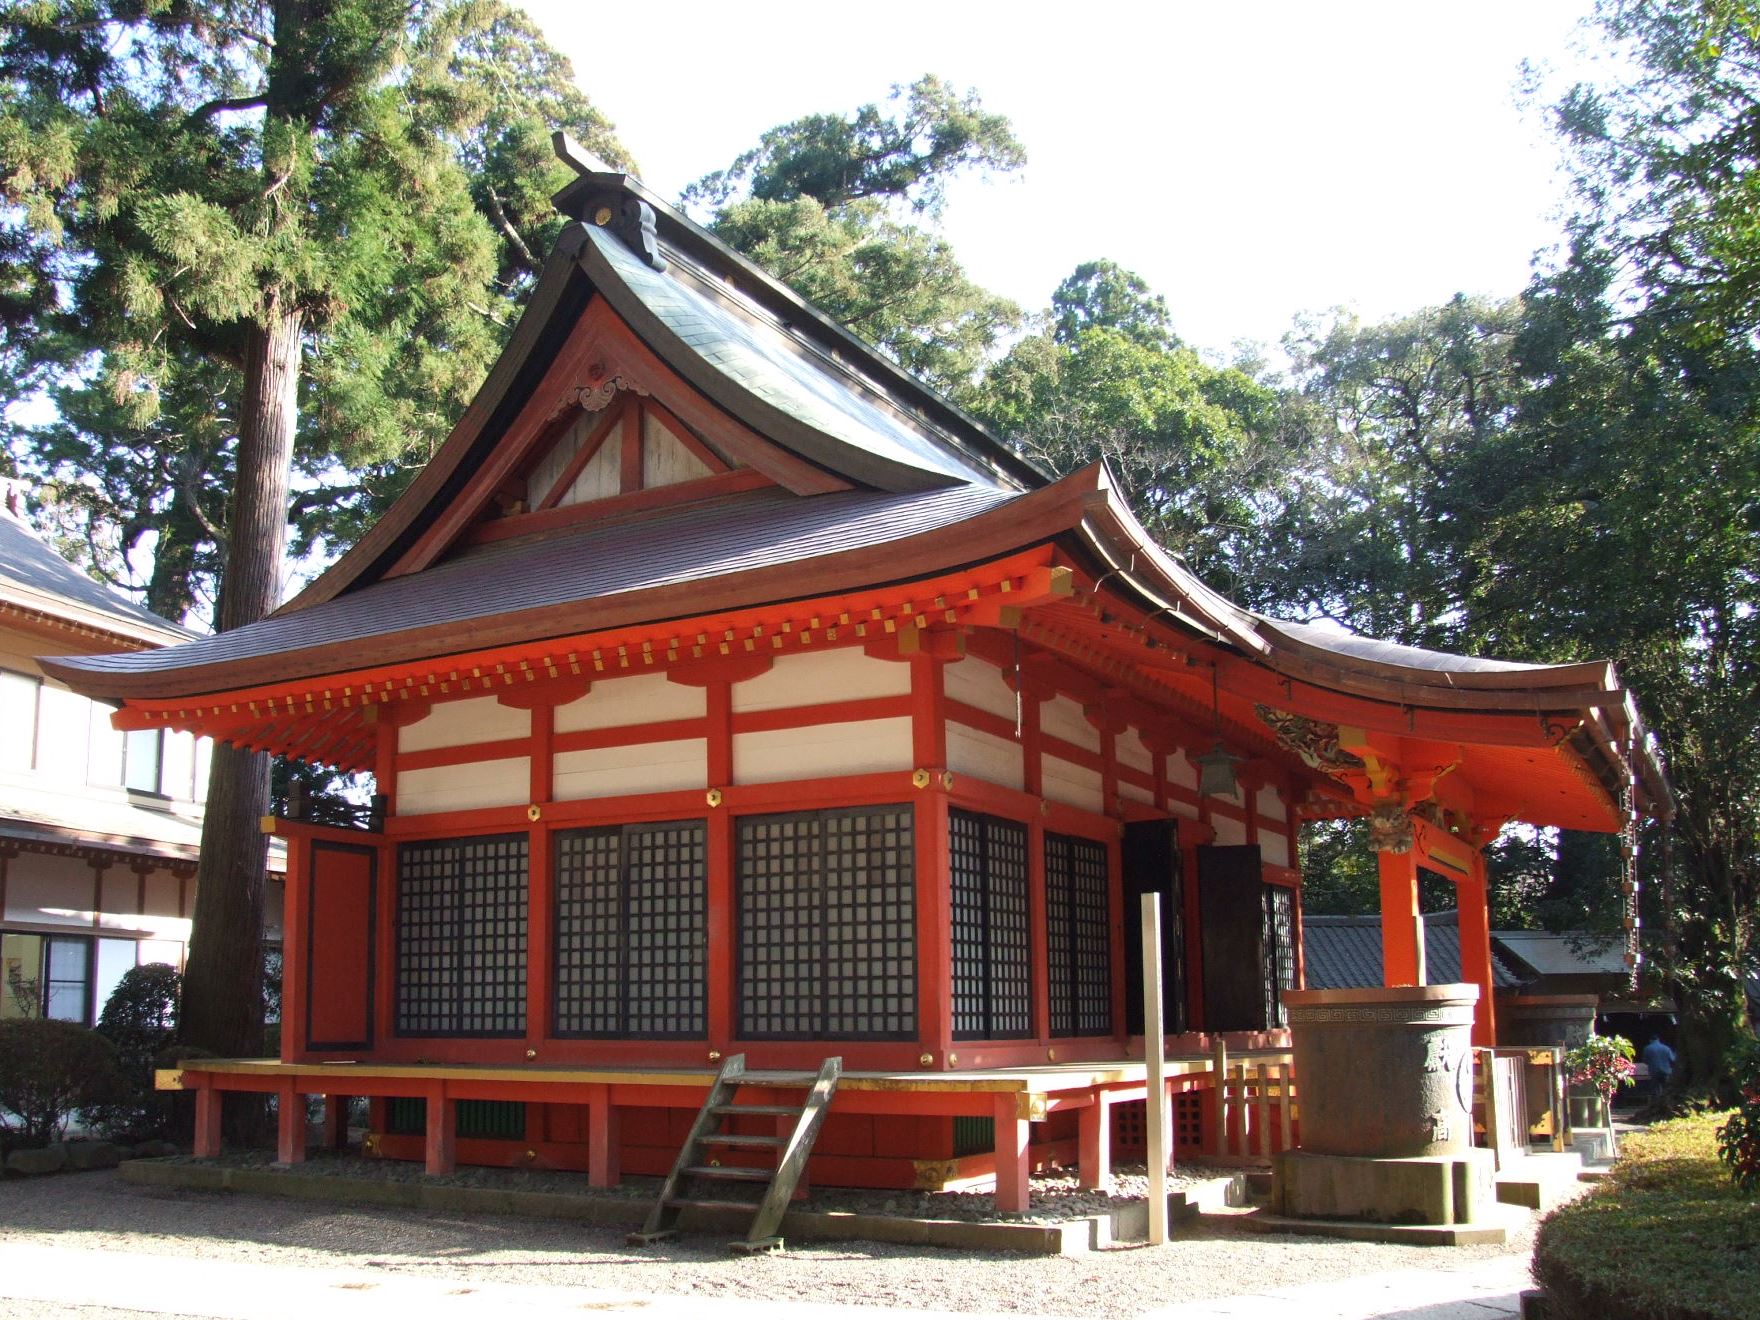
pixel 1270 804
pixel 459 723
pixel 859 747
pixel 163 889
pixel 1274 848
pixel 119 898
pixel 1066 782
pixel 104 749
pixel 980 683
pixel 846 674
pixel 1062 717
pixel 639 699
pixel 49 890
pixel 503 783
pixel 1229 830
pixel 1131 793
pixel 662 767
pixel 665 460
pixel 1129 749
pixel 603 475
pixel 1183 810
pixel 1181 771
pixel 984 756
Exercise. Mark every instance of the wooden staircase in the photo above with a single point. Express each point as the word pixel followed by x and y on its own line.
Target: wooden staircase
pixel 697 1174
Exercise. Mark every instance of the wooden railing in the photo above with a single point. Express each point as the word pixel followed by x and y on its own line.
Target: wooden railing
pixel 1255 1109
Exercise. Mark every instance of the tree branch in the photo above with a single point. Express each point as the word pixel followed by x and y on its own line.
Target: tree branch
pixel 224 103
pixel 506 226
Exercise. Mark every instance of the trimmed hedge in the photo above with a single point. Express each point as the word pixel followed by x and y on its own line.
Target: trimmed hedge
pixel 1665 1237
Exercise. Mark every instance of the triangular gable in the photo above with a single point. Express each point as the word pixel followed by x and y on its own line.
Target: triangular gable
pixel 609 428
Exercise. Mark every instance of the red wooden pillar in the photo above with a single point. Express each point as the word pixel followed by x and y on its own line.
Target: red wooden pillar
pixel 209 1100
pixel 1094 1143
pixel 1012 1132
pixel 295 940
pixel 722 990
pixel 441 1137
pixel 603 1168
pixel 934 884
pixel 934 926
pixel 540 953
pixel 290 1124
pixel 1475 933
pixel 1399 917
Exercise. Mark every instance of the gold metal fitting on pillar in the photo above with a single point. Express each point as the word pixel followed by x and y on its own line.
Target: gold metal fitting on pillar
pixel 534 812
pixel 920 778
pixel 713 797
pixel 531 1054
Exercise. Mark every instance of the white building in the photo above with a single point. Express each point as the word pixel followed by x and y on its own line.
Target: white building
pixel 99 830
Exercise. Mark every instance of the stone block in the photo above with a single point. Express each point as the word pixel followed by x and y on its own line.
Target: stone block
pixel 93 1155
pixel 30 1163
pixel 1425 1189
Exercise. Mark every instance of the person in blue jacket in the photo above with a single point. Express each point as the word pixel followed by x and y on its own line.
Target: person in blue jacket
pixel 1659 1059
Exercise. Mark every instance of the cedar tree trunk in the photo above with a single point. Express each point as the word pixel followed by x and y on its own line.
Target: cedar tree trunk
pixel 222 987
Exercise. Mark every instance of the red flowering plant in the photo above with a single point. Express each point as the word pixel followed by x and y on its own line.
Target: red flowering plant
pixel 1738 1138
pixel 1603 1062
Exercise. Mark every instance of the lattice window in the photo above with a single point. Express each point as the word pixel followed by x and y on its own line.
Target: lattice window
pixel 1078 929
pixel 461 937
pixel 1279 942
pixel 827 925
pixel 631 931
pixel 992 943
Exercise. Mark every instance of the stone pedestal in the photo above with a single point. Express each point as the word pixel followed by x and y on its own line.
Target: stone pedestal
pixel 1386 1094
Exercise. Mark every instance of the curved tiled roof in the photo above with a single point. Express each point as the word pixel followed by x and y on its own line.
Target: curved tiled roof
pixel 32 576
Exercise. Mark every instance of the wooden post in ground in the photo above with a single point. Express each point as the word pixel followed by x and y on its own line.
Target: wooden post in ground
pixel 1155 1059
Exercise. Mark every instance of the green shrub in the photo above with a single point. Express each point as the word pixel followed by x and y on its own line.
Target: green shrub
pixel 1738 1140
pixel 1664 1237
pixel 140 1019
pixel 48 1069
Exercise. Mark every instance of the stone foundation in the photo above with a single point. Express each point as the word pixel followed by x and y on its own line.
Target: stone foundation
pixel 1425 1189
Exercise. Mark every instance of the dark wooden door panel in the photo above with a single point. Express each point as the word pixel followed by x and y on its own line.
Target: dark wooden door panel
pixel 1232 913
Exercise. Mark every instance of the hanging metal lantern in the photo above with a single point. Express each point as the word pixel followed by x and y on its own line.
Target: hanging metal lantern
pixel 1217 775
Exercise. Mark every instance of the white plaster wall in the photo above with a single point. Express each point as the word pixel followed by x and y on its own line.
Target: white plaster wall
pixel 119 899
pixel 1131 793
pixel 460 723
pixel 659 767
pixel 1181 771
pixel 1128 748
pixel 1228 829
pixel 1062 717
pixel 1066 782
pixel 177 765
pixel 820 751
pixel 54 891
pixel 639 699
pixel 984 756
pixel 1184 810
pixel 163 890
pixel 980 683
pixel 1270 804
pixel 1274 848
pixel 846 674
pixel 503 783
pixel 104 749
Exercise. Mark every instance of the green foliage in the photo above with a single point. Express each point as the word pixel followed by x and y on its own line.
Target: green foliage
pixel 1665 1237
pixel 824 204
pixel 48 1069
pixel 1603 1062
pixel 1193 445
pixel 1103 295
pixel 169 175
pixel 140 1020
pixel 932 134
pixel 1738 1139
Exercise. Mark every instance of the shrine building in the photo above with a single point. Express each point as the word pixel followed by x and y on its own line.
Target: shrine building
pixel 728 691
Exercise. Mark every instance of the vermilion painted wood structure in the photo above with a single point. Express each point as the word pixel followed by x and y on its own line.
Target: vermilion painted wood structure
pixel 729 690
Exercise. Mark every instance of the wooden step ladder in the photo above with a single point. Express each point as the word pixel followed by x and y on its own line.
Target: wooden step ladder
pixel 695 1165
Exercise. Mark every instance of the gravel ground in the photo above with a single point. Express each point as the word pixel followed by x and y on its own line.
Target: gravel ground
pixel 1209 1259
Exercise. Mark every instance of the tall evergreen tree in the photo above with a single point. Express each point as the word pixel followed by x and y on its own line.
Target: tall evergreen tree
pixel 207 203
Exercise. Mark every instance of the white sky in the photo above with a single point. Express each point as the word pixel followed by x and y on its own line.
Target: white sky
pixel 1251 161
